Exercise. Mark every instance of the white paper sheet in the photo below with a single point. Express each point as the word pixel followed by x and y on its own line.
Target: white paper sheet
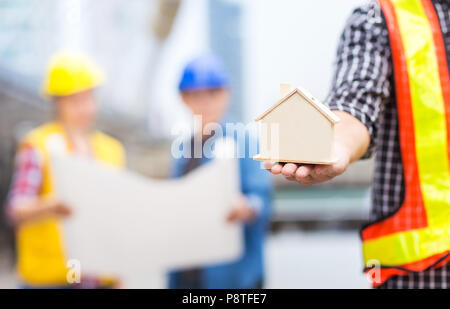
pixel 129 226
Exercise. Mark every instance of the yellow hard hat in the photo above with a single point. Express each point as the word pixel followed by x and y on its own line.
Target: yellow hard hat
pixel 69 73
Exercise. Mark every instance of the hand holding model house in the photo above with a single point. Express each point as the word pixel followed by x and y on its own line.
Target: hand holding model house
pixel 305 141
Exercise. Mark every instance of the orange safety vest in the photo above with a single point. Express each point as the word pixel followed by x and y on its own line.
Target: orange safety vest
pixel 41 259
pixel 417 236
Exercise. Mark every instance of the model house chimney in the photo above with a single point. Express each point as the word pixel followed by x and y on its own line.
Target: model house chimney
pixel 285 89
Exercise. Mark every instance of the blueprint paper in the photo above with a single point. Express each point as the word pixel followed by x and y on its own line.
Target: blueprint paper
pixel 127 225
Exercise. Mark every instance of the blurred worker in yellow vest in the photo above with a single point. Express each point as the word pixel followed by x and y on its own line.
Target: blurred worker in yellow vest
pixel 32 207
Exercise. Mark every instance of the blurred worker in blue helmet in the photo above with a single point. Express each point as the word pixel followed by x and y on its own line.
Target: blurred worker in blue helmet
pixel 205 89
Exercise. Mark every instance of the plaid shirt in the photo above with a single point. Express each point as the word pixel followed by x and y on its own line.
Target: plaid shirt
pixel 27 177
pixel 364 87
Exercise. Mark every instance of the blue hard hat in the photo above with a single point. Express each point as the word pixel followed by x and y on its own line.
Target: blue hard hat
pixel 204 72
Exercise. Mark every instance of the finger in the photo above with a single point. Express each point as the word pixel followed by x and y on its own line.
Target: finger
pixel 65 211
pixel 289 169
pixel 251 214
pixel 276 169
pixel 303 172
pixel 323 171
pixel 268 165
pixel 244 217
pixel 319 169
pixel 306 181
pixel 232 216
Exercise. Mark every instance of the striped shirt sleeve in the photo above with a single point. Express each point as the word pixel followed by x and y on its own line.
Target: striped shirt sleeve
pixel 362 80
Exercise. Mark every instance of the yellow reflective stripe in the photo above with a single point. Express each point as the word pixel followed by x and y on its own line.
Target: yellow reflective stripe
pixel 428 109
pixel 430 133
pixel 407 247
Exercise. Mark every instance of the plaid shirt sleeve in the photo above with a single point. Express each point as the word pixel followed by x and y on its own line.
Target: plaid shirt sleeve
pixel 27 177
pixel 363 69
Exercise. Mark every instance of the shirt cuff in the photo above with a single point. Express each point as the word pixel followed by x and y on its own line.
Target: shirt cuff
pixel 256 203
pixel 358 114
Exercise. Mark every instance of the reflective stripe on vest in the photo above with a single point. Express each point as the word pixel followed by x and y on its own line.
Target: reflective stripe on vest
pixel 417 236
pixel 41 257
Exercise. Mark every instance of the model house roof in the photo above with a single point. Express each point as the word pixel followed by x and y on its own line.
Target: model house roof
pixel 324 110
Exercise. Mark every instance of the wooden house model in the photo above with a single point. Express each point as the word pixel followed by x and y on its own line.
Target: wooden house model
pixel 298 128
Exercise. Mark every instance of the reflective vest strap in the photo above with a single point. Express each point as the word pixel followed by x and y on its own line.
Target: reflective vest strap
pixel 413 202
pixel 442 62
pixel 386 273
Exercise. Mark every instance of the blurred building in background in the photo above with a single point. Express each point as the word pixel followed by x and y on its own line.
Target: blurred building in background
pixel 143 45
